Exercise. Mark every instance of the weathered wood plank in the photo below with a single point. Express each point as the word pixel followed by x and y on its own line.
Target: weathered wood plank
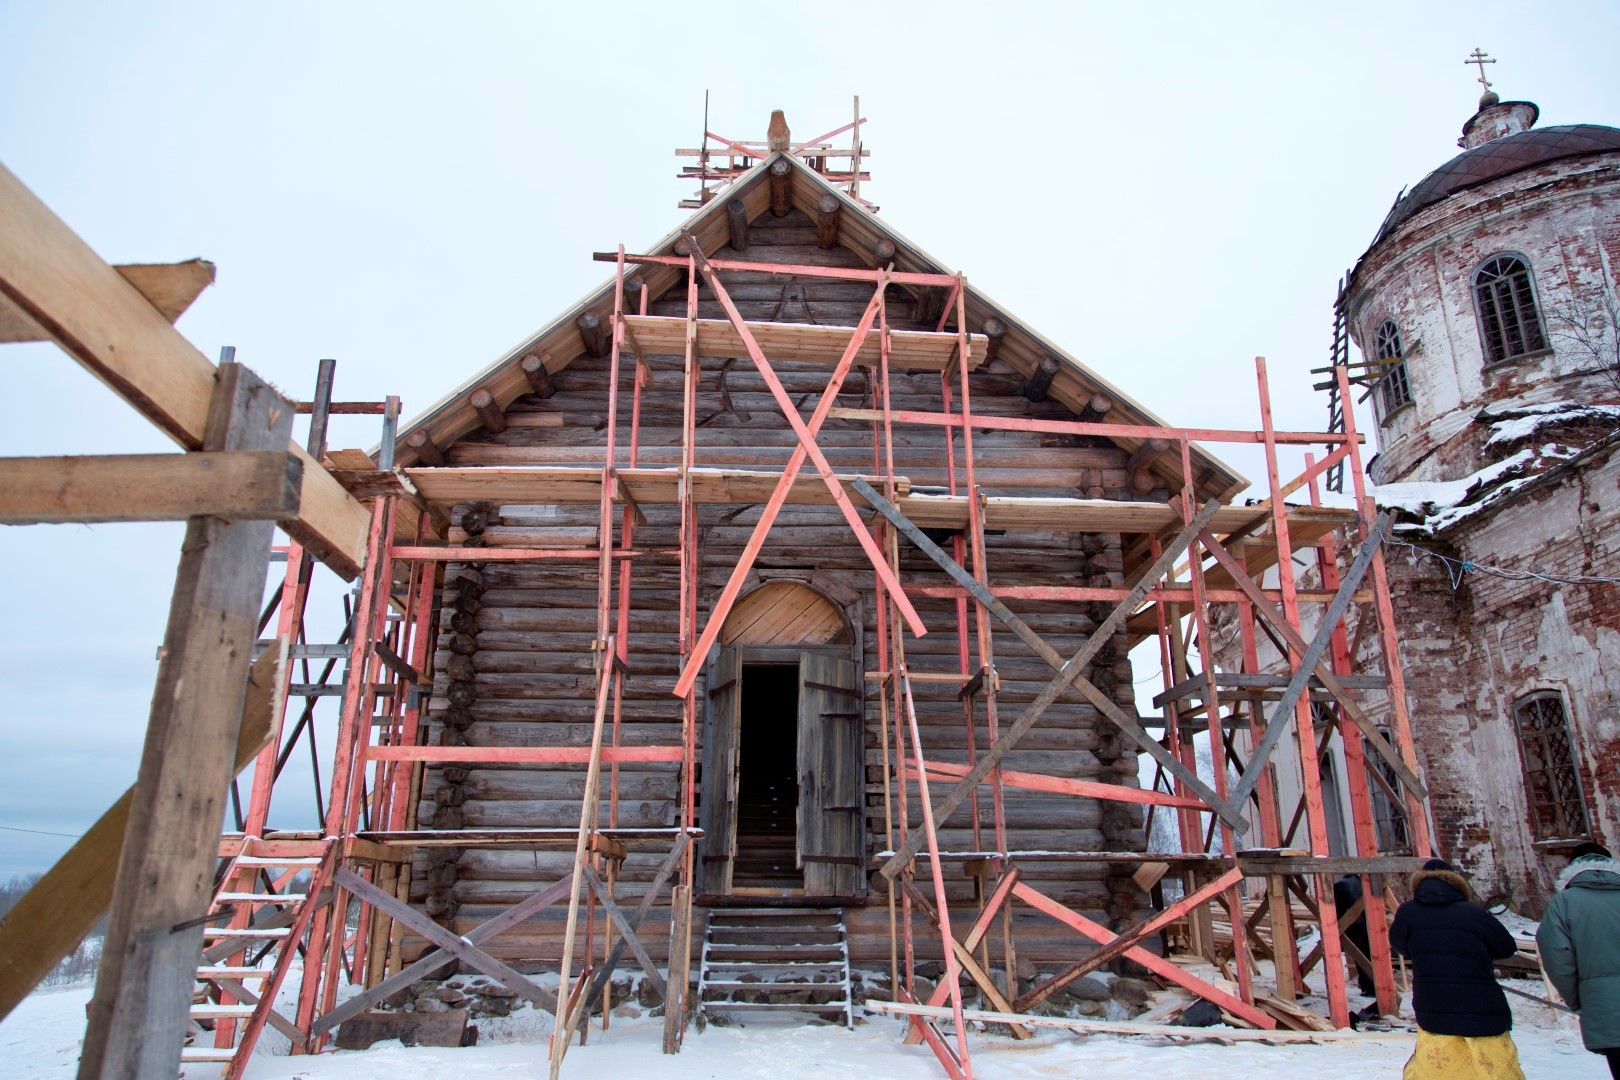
pixel 258 485
pixel 165 871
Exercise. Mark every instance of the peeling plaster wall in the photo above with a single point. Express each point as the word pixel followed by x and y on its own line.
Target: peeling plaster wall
pixel 1561 218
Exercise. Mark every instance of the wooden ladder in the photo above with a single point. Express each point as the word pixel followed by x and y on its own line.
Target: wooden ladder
pixel 750 953
pixel 236 992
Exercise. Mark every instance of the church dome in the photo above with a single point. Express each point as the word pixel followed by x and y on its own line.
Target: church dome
pixel 1495 159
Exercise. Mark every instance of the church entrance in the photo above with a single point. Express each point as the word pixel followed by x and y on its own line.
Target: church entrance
pixel 782 787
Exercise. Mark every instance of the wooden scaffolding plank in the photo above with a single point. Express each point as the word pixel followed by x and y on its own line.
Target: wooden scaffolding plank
pixel 909 350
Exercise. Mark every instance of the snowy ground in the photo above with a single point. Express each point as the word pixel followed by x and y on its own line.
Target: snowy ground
pixel 41 1039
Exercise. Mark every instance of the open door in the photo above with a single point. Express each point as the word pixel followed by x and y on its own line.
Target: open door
pixel 717 812
pixel 832 775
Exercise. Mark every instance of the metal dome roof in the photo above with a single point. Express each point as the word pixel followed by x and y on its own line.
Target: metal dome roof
pixel 1498 158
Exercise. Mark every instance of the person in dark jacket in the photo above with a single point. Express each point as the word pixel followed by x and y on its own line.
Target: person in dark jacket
pixel 1462 1015
pixel 1579 941
pixel 1346 891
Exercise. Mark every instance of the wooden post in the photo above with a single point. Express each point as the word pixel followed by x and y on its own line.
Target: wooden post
pixel 679 958
pixel 592 334
pixel 490 414
pixel 781 187
pixel 995 330
pixel 426 450
pixel 533 366
pixel 1039 382
pixel 166 870
pixel 737 220
pixel 634 289
pixel 827 222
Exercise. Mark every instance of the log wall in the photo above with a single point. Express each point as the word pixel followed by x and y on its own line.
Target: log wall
pixel 515 666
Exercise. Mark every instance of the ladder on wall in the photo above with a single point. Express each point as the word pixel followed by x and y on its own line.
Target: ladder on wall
pixel 1340 357
pixel 793 960
pixel 269 899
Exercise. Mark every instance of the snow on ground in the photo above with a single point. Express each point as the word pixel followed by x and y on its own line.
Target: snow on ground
pixel 41 1039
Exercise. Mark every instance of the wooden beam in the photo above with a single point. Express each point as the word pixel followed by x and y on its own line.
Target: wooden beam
pixel 253 485
pixel 1039 382
pixel 1097 407
pixel 781 181
pixel 166 869
pixel 827 221
pixel 533 366
pixel 884 253
pixel 737 224
pixel 170 287
pixel 490 414
pixel 1110 1027
pixel 605 973
pixel 421 442
pixel 994 330
pixel 63 906
pixel 591 333
pixel 104 322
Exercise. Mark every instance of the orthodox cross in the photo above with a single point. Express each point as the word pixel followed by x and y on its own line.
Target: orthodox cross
pixel 1479 57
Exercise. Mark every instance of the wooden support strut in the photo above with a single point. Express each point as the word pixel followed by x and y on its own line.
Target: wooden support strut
pixel 1039 382
pixel 827 222
pixel 533 366
pixel 781 183
pixel 490 414
pixel 591 333
pixel 426 450
pixel 994 330
pixel 1068 673
pixel 165 872
pixel 737 224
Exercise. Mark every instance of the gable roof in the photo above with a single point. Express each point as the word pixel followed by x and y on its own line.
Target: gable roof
pixel 559 343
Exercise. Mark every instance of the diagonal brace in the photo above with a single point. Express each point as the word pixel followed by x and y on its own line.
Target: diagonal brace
pixel 444 939
pixel 605 898
pixel 605 973
pixel 1311 662
pixel 1068 673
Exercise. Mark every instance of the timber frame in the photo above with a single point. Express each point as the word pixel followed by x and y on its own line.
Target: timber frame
pixel 379 518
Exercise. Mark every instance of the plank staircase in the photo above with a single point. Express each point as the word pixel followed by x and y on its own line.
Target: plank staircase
pixel 250 953
pixel 807 944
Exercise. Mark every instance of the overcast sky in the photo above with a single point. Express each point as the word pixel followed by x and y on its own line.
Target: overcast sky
pixel 1165 190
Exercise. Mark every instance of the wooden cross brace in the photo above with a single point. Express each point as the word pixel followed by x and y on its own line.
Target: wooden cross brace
pixel 460 947
pixel 1154 963
pixel 1069 673
pixel 964 957
pixel 807 448
pixel 1312 661
pixel 433 961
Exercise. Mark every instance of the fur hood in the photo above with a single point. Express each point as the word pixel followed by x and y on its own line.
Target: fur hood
pixel 1450 877
pixel 1584 865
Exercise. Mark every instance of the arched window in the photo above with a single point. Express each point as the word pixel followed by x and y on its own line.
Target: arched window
pixel 1552 776
pixel 1394 388
pixel 1509 324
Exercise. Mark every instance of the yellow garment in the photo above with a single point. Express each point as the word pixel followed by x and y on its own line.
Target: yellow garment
pixel 1453 1057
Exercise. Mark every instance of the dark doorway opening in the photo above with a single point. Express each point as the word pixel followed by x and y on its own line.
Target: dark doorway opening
pixel 767 779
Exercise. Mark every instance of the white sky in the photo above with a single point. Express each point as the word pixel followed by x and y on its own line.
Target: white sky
pixel 1165 190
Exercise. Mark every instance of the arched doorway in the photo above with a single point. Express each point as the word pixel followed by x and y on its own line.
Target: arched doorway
pixel 783 750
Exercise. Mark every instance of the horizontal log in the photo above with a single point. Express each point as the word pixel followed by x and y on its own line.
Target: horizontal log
pixel 237 485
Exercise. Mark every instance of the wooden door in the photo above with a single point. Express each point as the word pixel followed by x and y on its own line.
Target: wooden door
pixel 832 780
pixel 717 812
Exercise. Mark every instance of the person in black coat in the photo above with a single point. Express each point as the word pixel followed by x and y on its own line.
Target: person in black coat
pixel 1451 943
pixel 1346 891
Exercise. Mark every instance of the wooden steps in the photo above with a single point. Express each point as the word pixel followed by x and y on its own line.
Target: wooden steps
pixel 742 947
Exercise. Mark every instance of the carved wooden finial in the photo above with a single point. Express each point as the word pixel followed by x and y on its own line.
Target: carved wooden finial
pixel 777 135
